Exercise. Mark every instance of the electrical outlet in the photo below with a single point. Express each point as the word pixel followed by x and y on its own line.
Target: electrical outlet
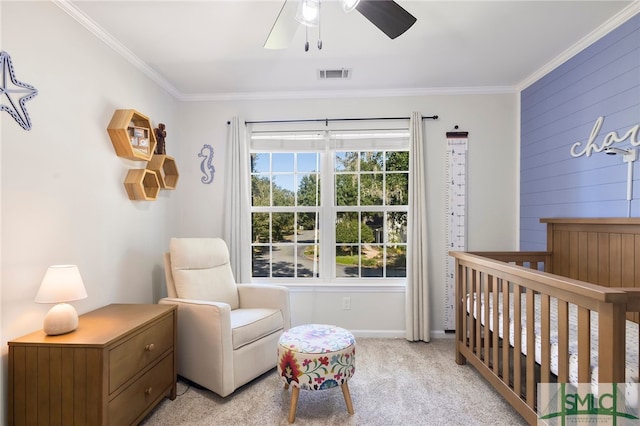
pixel 346 303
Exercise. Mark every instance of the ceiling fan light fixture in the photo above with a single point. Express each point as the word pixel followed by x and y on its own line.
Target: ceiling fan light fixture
pixel 308 13
pixel 349 5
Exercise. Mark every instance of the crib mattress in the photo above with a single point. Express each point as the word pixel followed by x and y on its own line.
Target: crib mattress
pixel 631 370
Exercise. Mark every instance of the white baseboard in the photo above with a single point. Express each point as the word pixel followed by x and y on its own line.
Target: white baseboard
pixel 441 334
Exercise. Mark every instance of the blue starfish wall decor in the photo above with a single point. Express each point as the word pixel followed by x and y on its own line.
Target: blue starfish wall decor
pixel 13 93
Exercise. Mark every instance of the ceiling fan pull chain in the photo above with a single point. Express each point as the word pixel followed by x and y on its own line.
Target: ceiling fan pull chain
pixel 319 33
pixel 306 38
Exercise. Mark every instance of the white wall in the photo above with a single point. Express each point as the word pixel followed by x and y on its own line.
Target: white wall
pixel 62 193
pixel 3 369
pixel 491 121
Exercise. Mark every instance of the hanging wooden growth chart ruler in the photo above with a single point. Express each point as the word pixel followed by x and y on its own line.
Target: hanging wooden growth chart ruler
pixel 456 216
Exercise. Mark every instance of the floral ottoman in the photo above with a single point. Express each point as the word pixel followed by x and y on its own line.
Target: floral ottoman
pixel 316 357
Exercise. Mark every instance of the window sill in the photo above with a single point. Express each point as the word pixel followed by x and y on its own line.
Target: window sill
pixel 389 286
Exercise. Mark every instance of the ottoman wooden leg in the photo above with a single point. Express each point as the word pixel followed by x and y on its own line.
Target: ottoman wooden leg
pixel 294 404
pixel 347 397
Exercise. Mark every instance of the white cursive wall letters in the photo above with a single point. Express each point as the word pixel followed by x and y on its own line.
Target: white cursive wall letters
pixel 579 149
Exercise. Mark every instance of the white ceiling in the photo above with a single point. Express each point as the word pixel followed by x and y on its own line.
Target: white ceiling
pixel 214 49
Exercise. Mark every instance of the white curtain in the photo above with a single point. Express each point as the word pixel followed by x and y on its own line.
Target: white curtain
pixel 237 219
pixel 417 293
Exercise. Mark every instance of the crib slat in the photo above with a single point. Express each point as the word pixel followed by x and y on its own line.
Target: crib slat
pixel 545 357
pixel 487 329
pixel 495 344
pixel 517 339
pixel 584 345
pixel 505 331
pixel 472 318
pixel 563 341
pixel 531 344
pixel 478 292
pixel 461 313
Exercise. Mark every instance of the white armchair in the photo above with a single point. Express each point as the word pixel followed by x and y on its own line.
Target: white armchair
pixel 227 332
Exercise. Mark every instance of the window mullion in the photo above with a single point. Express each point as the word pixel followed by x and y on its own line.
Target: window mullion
pixel 328 215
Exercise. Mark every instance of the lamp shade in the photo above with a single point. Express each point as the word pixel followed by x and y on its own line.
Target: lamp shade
pixel 61 283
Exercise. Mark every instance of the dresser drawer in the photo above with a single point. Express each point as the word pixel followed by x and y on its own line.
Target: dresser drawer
pixel 155 383
pixel 134 354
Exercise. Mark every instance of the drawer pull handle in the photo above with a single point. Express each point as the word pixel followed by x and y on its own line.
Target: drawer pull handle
pixel 148 391
pixel 150 347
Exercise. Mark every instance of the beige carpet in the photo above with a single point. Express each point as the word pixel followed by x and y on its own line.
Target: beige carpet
pixel 396 383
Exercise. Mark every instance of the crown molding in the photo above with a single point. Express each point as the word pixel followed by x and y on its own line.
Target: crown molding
pixel 113 43
pixel 336 94
pixel 614 22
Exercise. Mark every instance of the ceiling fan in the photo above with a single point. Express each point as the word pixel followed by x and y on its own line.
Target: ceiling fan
pixel 391 18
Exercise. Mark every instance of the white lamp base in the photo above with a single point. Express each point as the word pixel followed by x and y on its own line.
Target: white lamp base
pixel 60 319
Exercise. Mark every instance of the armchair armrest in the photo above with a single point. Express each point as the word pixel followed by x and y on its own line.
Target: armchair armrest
pixel 179 301
pixel 199 315
pixel 204 340
pixel 266 296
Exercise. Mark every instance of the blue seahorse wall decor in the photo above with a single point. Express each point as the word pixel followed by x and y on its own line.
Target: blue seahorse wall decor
pixel 206 153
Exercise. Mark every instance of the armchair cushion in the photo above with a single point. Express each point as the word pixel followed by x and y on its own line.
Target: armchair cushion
pixel 201 270
pixel 249 325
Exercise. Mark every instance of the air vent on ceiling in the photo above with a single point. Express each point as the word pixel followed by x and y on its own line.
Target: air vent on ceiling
pixel 338 74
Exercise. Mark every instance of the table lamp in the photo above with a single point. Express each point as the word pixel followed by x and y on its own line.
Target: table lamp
pixel 61 283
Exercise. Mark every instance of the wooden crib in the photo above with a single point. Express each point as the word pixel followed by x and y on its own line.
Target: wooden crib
pixel 591 265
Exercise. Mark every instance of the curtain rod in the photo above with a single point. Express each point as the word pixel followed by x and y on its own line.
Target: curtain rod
pixel 327 120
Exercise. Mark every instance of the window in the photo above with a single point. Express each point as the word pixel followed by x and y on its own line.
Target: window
pixel 371 203
pixel 285 216
pixel 329 206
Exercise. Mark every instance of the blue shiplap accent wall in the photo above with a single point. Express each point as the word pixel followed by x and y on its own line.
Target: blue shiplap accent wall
pixel 561 109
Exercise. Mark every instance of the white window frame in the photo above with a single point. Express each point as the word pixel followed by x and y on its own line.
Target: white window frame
pixel 328 143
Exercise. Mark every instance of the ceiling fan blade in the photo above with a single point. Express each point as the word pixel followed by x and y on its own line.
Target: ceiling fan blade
pixel 284 27
pixel 391 18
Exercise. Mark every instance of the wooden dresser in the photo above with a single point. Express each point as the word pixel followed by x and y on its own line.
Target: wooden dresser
pixel 112 370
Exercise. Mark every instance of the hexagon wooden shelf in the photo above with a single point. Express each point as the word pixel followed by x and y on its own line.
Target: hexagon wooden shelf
pixel 132 135
pixel 142 184
pixel 166 169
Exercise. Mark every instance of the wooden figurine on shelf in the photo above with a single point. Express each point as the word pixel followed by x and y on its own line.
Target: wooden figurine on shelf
pixel 161 133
